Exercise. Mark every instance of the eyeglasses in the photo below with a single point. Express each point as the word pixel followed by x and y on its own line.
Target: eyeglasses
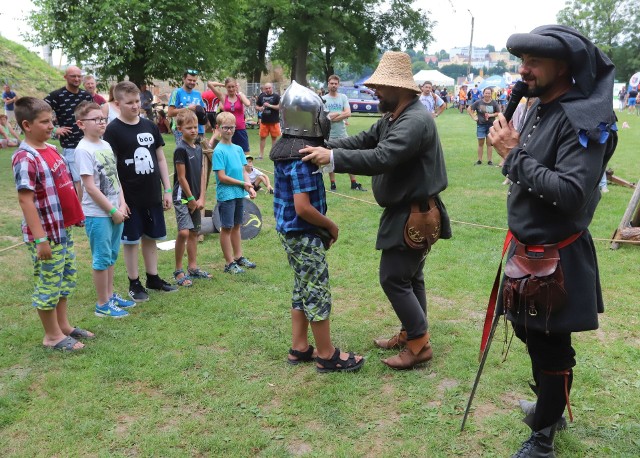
pixel 228 128
pixel 192 72
pixel 96 120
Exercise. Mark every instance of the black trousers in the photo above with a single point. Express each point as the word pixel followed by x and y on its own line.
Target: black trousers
pixel 551 354
pixel 402 280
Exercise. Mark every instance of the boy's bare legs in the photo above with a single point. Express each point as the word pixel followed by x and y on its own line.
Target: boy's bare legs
pixel 480 148
pixel 236 242
pixel 225 244
pixel 150 256
pixel 110 277
pixel 263 142
pixel 322 335
pixel 192 249
pixel 181 244
pixel 101 282
pixel 489 151
pixel 50 322
pixel 130 254
pixel 299 331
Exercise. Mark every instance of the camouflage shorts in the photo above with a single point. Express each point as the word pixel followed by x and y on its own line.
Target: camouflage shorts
pixel 55 277
pixel 311 292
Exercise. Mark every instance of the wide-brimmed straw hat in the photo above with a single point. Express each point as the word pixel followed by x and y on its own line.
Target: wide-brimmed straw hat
pixel 394 70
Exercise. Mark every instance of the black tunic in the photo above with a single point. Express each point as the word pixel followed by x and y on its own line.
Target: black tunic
pixel 554 195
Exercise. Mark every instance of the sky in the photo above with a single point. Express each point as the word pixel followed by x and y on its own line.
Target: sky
pixel 493 22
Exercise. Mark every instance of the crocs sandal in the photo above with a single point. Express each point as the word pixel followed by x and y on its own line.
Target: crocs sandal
pixel 335 364
pixel 302 356
pixel 197 273
pixel 65 344
pixel 79 333
pixel 185 280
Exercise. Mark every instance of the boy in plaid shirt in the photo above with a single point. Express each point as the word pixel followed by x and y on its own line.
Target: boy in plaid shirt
pixel 50 206
pixel 299 207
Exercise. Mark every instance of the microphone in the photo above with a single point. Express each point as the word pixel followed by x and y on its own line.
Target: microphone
pixel 518 91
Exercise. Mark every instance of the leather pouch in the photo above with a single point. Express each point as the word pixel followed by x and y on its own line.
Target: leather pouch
pixel 534 283
pixel 422 228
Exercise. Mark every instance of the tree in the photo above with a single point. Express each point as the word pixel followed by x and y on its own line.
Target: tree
pixel 490 48
pixel 442 54
pixel 141 39
pixel 454 70
pixel 612 25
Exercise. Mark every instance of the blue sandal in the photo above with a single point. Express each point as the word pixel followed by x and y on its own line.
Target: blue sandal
pixel 198 273
pixel 185 280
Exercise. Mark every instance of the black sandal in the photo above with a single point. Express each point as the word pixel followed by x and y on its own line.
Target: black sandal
pixel 302 356
pixel 335 364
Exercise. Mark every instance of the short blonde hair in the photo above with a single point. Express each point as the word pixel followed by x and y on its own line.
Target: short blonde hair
pixel 125 87
pixel 225 116
pixel 184 116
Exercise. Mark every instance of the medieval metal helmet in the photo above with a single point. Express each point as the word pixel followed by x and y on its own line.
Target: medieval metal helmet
pixel 303 113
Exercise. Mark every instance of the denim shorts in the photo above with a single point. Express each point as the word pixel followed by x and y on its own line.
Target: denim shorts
pixel 70 156
pixel 145 222
pixel 56 277
pixel 482 130
pixel 231 212
pixel 104 240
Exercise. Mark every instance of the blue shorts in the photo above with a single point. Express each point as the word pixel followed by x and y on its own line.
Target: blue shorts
pixel 104 240
pixel 632 101
pixel 231 212
pixel 54 278
pixel 241 139
pixel 482 130
pixel 145 222
pixel 70 156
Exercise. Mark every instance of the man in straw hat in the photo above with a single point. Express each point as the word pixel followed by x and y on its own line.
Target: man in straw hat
pixel 402 153
pixel 554 163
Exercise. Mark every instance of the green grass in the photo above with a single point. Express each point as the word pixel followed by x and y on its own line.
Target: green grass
pixel 202 372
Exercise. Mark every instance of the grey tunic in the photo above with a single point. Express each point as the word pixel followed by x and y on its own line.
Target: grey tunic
pixel 405 158
pixel 554 195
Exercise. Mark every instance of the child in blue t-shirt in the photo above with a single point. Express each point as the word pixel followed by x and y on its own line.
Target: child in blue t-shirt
pixel 233 183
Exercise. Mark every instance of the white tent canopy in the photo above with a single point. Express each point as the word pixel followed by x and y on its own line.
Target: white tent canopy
pixel 437 78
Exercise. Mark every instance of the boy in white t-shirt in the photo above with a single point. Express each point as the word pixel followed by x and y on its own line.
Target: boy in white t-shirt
pixel 103 205
pixel 256 176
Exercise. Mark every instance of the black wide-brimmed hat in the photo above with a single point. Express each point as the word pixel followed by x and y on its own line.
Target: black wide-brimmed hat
pixel 537 45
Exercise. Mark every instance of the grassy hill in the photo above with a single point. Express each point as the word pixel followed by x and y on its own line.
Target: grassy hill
pixel 25 71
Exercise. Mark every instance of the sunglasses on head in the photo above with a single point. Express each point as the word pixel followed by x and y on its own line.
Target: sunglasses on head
pixel 191 72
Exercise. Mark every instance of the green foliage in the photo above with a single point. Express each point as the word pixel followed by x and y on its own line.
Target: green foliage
pixel 612 25
pixel 454 70
pixel 142 39
pixel 26 72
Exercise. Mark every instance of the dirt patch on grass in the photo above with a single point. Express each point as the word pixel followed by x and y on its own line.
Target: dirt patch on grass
pixel 123 423
pixel 483 411
pixel 447 384
pixel 298 448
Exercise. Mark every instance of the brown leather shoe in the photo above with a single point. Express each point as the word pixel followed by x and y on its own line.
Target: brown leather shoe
pixel 416 352
pixel 399 341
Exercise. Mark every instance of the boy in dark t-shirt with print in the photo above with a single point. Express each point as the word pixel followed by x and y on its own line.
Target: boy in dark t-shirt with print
pixel 51 207
pixel 142 168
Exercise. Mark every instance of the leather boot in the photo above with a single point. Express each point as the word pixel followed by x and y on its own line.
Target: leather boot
pixel 416 352
pixel 399 341
pixel 539 444
pixel 529 409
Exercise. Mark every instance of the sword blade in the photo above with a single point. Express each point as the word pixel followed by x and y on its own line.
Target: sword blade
pixel 494 325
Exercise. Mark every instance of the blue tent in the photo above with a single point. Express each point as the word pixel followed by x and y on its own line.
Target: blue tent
pixel 494 81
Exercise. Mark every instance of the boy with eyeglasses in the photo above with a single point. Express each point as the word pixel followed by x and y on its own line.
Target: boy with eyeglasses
pixel 103 205
pixel 233 184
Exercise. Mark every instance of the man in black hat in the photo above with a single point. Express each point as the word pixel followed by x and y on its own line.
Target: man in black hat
pixel 403 154
pixel 554 164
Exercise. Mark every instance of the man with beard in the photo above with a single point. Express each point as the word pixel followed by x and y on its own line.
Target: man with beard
pixel 555 164
pixel 64 101
pixel 402 153
pixel 186 97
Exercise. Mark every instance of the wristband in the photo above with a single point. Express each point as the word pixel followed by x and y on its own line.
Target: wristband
pixel 42 240
pixel 190 198
pixel 112 211
pixel 168 190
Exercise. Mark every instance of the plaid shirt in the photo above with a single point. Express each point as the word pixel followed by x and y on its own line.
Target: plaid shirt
pixel 31 172
pixel 295 177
